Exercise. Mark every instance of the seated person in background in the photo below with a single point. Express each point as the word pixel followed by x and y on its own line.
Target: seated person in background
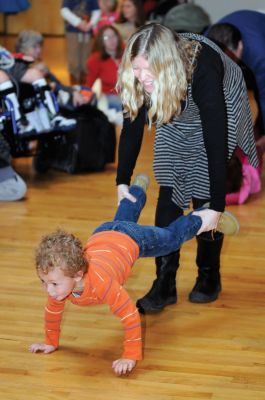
pixel 30 43
pixel 103 64
pixel 8 93
pixel 109 13
pixel 229 38
pixel 75 102
pixel 131 17
pixel 242 178
pixel 96 274
pixel 161 8
pixel 252 28
pixel 12 186
pixel 18 70
pixel 186 17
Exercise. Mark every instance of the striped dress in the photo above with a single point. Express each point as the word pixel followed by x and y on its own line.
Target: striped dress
pixel 180 159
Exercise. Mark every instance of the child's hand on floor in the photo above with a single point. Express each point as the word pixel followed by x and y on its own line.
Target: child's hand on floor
pixel 45 348
pixel 123 365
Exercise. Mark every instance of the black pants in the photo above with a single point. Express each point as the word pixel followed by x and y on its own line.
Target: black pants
pixel 167 211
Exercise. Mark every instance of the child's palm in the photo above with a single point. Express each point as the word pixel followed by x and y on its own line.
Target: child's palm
pixel 123 365
pixel 45 348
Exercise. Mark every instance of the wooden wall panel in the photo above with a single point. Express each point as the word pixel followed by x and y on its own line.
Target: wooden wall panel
pixel 43 16
pixel 1 22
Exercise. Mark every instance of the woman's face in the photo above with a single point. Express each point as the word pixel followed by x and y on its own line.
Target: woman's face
pixel 128 10
pixel 143 73
pixel 110 40
pixel 34 51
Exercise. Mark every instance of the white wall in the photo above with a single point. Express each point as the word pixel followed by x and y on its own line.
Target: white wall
pixel 219 8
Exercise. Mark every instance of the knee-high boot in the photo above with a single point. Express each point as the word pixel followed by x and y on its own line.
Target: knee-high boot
pixel 163 290
pixel 208 283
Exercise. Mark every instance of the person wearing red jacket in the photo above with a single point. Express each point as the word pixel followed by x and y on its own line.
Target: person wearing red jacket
pixel 103 64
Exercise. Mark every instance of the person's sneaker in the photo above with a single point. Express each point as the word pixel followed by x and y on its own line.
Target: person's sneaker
pixel 141 180
pixel 228 224
pixel 63 124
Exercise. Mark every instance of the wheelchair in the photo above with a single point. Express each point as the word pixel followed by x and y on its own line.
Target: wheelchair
pixel 29 144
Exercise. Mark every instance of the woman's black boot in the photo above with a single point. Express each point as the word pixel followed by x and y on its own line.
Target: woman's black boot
pixel 208 283
pixel 163 291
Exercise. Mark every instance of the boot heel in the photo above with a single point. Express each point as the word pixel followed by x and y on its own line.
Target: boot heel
pixel 163 291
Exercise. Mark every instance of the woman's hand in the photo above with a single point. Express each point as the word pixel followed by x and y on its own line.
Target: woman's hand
pixel 27 58
pixel 84 26
pixel 123 193
pixel 209 218
pixel 45 348
pixel 123 365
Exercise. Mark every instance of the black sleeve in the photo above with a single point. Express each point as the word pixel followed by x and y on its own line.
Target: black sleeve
pixel 129 146
pixel 208 94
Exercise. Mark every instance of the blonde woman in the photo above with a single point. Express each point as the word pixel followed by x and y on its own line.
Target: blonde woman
pixel 196 97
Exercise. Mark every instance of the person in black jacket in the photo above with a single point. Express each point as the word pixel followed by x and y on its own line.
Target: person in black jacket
pixel 197 98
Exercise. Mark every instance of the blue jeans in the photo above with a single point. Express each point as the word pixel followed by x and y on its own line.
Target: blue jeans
pixel 152 240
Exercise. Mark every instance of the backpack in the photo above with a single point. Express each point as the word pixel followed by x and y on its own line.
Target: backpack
pixel 86 148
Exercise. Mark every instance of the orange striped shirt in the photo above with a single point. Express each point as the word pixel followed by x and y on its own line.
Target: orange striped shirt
pixel 111 256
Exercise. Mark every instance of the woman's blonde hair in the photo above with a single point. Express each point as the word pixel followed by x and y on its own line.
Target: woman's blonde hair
pixel 171 61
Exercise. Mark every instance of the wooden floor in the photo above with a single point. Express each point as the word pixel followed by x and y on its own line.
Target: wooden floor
pixel 214 351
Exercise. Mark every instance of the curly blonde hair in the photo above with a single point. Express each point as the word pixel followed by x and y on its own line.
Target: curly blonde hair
pixel 61 250
pixel 171 59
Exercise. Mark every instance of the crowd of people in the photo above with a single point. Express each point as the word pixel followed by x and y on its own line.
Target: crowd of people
pixel 166 67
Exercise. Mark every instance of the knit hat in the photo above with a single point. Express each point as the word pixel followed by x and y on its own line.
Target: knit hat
pixel 187 18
